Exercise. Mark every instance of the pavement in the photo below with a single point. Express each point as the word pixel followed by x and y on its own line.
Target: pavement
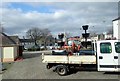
pixel 31 67
pixel 0 77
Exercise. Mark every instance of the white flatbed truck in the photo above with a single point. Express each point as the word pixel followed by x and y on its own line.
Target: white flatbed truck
pixel 106 58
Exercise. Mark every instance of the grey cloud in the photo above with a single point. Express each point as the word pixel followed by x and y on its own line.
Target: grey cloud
pixel 66 16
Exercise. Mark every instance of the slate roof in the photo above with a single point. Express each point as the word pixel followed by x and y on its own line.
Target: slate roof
pixel 26 40
pixel 6 40
pixel 116 19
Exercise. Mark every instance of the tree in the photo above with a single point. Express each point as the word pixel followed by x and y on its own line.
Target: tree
pixel 34 34
pixel 46 36
pixel 37 33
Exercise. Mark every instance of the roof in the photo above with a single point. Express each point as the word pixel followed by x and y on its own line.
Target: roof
pixel 26 40
pixel 116 19
pixel 6 40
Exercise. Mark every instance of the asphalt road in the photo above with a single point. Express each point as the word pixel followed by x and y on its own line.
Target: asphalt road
pixel 31 67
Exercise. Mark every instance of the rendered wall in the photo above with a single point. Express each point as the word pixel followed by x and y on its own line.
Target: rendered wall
pixel 116 29
pixel 9 54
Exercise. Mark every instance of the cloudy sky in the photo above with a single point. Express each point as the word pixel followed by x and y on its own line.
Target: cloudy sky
pixel 18 17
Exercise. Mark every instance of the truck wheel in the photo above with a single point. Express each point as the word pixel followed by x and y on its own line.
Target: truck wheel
pixel 61 70
pixel 47 66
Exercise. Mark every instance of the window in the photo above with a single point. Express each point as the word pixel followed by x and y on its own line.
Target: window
pixel 105 48
pixel 117 47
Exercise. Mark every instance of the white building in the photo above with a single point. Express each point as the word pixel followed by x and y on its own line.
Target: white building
pixel 107 36
pixel 116 28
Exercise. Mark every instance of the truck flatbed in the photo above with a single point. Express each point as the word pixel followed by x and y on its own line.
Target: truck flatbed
pixel 69 59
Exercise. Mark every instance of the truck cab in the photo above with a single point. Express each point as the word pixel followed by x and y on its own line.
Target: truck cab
pixel 108 55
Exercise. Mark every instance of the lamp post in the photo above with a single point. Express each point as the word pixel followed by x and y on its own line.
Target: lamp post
pixel 0 59
pixel 85 35
pixel 1 47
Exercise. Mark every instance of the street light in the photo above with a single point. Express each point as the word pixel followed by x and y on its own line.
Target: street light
pixel 0 59
pixel 85 35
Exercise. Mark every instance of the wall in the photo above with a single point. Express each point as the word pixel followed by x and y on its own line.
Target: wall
pixel 94 38
pixel 116 29
pixel 108 36
pixel 16 51
pixel 9 54
pixel 119 29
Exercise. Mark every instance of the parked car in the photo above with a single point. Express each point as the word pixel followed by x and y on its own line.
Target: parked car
pixel 42 47
pixel 49 47
pixel 26 47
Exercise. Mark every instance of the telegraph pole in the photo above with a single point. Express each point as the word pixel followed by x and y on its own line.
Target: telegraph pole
pixel 0 59
pixel 0 48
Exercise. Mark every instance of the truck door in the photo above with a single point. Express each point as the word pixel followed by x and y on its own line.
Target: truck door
pixel 106 57
pixel 117 55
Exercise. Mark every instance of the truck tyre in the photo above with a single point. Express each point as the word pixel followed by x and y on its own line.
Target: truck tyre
pixel 61 70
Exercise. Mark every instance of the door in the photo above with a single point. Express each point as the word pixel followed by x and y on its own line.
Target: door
pixel 117 55
pixel 106 57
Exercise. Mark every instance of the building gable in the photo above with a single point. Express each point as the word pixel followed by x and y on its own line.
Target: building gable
pixel 7 40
